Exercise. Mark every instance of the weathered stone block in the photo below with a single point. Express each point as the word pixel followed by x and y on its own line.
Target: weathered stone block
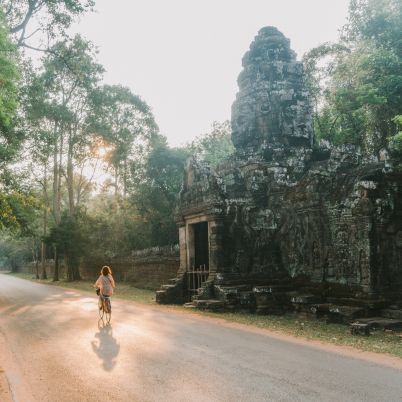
pixel 359 329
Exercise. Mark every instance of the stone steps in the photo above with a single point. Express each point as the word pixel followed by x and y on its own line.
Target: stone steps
pixel 171 293
pixel 212 304
pixel 381 323
pixel 392 313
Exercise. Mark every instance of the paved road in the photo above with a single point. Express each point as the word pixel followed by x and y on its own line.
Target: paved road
pixel 52 350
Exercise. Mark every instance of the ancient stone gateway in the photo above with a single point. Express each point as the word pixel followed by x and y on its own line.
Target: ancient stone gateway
pixel 286 223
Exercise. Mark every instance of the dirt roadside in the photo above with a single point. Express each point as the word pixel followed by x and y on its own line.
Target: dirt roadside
pixel 13 387
pixel 5 392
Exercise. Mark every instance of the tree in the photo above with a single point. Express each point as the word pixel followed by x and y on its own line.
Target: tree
pixel 69 238
pixel 114 231
pixel 396 140
pixel 18 224
pixel 9 76
pixel 57 108
pixel 51 18
pixel 14 251
pixel 156 196
pixel 361 92
pixel 214 146
pixel 128 129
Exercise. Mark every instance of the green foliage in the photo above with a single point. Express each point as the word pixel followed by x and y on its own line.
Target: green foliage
pixel 379 21
pixel 70 65
pixel 127 127
pixel 395 142
pixel 52 18
pixel 155 193
pixel 146 217
pixel 114 230
pixel 56 98
pixel 214 146
pixel 358 90
pixel 9 75
pixel 17 211
pixel 14 251
pixel 119 115
pixel 156 197
pixel 159 182
pixel 69 235
pixel 318 64
pixel 70 239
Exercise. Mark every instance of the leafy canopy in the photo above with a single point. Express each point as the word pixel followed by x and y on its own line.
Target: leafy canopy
pixel 9 76
pixel 51 18
pixel 357 83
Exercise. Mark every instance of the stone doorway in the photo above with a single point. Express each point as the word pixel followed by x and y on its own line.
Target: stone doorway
pixel 198 269
pixel 201 247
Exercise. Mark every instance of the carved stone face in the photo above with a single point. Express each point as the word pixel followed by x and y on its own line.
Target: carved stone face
pixel 272 107
pixel 243 124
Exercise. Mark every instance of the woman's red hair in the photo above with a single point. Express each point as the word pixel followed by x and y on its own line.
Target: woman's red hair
pixel 106 270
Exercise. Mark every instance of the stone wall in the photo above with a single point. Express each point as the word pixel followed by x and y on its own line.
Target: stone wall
pixel 146 269
pixel 30 268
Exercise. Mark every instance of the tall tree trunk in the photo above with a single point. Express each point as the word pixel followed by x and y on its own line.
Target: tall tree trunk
pixel 57 167
pixel 43 258
pixel 35 257
pixel 43 245
pixel 70 175
pixel 56 177
pixel 124 178
pixel 73 272
pixel 116 182
pixel 71 255
pixel 76 270
pixel 56 265
pixel 60 168
pixel 37 269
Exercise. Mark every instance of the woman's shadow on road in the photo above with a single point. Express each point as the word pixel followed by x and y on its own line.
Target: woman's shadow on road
pixel 106 347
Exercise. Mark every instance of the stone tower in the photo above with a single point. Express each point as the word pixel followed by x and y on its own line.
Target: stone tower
pixel 272 111
pixel 279 225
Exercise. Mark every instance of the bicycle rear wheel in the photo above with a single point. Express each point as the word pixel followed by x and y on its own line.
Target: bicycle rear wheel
pixel 100 308
pixel 108 310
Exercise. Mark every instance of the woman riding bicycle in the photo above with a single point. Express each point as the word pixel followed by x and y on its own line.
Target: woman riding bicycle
pixel 105 282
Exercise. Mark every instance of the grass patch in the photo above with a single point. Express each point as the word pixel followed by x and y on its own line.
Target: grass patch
pixel 337 334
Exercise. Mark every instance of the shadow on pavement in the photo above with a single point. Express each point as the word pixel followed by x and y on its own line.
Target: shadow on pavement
pixel 106 347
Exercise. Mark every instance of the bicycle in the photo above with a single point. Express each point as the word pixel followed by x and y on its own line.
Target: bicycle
pixel 104 308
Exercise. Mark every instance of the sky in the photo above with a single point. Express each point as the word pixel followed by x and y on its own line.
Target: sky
pixel 183 56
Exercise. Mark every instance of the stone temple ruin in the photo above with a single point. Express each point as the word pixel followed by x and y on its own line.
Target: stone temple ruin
pixel 285 223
